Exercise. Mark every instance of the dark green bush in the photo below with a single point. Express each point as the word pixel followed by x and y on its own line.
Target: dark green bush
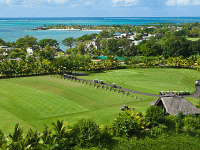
pixel 190 121
pixel 128 124
pixel 155 115
pixel 2 140
pixel 85 133
pixel 170 121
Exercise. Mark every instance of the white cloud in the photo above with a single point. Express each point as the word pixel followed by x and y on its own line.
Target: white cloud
pixel 88 3
pixel 182 2
pixel 15 2
pixel 124 2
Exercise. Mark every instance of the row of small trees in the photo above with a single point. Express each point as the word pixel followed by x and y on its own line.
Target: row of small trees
pixel 32 66
pixel 178 62
pixel 87 133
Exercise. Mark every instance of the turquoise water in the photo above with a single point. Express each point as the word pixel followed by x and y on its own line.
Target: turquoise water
pixel 12 29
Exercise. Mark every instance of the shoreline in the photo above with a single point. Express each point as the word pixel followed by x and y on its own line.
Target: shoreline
pixel 73 30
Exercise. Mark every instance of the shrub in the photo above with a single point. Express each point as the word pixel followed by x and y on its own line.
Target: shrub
pixel 84 133
pixel 179 122
pixel 2 140
pixel 155 115
pixel 105 134
pixel 128 124
pixel 158 129
pixel 170 121
pixel 190 121
pixel 95 57
pixel 198 106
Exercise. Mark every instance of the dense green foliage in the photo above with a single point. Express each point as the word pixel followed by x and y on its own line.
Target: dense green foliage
pixel 26 41
pixel 155 116
pixel 69 42
pixel 51 42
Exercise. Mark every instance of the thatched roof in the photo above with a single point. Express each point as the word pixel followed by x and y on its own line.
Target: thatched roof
pixel 174 103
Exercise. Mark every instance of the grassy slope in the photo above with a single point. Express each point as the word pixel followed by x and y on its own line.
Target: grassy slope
pixel 193 100
pixel 151 80
pixel 35 101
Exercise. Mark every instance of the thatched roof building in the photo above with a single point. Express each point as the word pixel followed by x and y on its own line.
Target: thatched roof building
pixel 172 104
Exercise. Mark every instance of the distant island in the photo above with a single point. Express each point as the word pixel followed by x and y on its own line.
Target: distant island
pixel 117 28
pixel 70 28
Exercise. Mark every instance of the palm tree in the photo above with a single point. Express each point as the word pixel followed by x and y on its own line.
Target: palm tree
pixel 23 144
pixel 16 136
pixel 49 140
pixel 59 128
pixel 2 140
pixel 33 138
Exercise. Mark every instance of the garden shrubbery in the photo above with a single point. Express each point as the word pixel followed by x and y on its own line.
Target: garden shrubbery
pixel 155 116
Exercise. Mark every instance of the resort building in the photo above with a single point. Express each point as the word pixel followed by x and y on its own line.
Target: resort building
pixel 172 104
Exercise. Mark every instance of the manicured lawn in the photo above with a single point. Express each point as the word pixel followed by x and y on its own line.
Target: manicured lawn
pixel 150 80
pixel 192 100
pixel 35 101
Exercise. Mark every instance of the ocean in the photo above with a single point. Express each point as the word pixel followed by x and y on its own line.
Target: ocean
pixel 12 29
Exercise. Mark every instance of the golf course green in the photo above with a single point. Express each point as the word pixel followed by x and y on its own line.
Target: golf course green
pixel 150 80
pixel 35 101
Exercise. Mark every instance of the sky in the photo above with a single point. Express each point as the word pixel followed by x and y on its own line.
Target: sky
pixel 99 8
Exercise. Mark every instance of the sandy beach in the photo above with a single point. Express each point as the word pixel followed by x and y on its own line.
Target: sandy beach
pixel 91 30
pixel 74 30
pixel 66 29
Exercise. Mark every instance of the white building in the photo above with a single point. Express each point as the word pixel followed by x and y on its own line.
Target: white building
pixel 29 51
pixel 92 44
pixel 7 50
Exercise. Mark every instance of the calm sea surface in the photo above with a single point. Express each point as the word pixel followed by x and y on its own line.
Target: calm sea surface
pixel 12 29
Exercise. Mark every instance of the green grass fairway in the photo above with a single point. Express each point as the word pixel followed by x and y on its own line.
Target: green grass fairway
pixel 151 80
pixel 35 101
pixel 193 100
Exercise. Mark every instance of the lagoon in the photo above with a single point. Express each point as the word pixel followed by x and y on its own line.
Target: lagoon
pixel 12 29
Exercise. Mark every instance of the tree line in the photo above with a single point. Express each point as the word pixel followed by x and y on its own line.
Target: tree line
pixel 35 66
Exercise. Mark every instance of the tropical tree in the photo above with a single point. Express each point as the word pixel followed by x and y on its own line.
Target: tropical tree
pixel 51 42
pixel 26 41
pixel 48 138
pixel 2 140
pixel 125 46
pixel 33 138
pixel 60 131
pixel 16 136
pixel 81 48
pixel 69 42
pixel 112 46
pixel 47 53
pixel 154 115
pixel 2 42
pixel 16 52
pixel 85 132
